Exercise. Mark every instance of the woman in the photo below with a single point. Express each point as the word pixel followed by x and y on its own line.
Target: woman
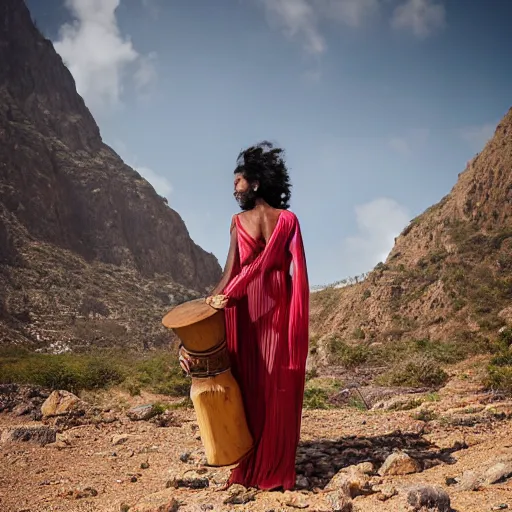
pixel 265 291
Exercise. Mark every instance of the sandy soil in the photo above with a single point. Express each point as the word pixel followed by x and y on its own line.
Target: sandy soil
pixel 135 474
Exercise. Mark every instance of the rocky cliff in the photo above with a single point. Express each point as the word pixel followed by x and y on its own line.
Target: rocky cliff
pixel 82 235
pixel 449 275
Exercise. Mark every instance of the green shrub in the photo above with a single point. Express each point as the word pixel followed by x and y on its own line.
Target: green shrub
pixel 349 356
pixel 499 378
pixel 157 371
pixel 417 371
pixel 499 371
pixel 316 398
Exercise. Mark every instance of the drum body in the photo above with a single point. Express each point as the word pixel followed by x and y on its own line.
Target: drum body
pixel 214 392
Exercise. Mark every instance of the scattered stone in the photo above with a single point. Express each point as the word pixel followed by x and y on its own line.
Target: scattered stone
pixel 142 412
pixel 124 507
pixel 23 409
pixel 351 481
pixel 61 402
pixel 185 456
pixel 190 480
pixel 366 468
pixel 473 480
pixel 386 492
pixel 302 482
pixel 157 502
pixel 297 501
pixel 498 473
pixel 469 481
pixel 501 506
pixel 144 465
pixel 119 439
pixel 239 495
pixel 207 507
pixel 133 479
pixel 86 492
pixel 41 435
pixel 399 463
pixel 339 502
pixel 429 497
pixel 166 419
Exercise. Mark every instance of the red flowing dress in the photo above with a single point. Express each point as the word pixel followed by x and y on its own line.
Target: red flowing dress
pixel 267 335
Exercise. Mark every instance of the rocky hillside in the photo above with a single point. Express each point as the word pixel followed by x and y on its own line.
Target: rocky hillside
pixel 89 252
pixel 449 275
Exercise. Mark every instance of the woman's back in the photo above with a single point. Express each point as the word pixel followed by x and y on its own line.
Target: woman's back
pixel 260 222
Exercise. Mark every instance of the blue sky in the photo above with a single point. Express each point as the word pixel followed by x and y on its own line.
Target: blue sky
pixel 379 104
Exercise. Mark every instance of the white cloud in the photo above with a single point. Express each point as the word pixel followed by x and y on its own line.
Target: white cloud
pixel 98 56
pixel 379 222
pixel 146 73
pixel 409 144
pixel 478 136
pixel 301 19
pixel 422 17
pixel 350 12
pixel 298 19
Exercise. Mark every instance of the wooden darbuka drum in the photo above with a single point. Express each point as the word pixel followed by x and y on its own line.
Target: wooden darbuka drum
pixel 214 392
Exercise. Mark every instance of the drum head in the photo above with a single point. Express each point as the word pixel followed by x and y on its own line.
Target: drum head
pixel 188 313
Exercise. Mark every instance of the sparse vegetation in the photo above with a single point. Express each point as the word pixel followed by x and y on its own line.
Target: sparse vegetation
pixel 499 371
pixel 318 391
pixel 316 398
pixel 425 415
pixel 417 371
pixel 354 355
pixel 156 371
pixel 346 355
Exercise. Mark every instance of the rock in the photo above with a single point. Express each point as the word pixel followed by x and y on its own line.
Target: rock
pixel 23 409
pixel 302 482
pixel 434 499
pixel 498 473
pixel 62 402
pixel 399 463
pixel 295 500
pixel 86 492
pixel 351 481
pixel 386 492
pixel 366 468
pixel 474 480
pixel 144 465
pixel 501 506
pixel 141 412
pixel 166 419
pixel 190 480
pixel 41 435
pixel 340 502
pixel 185 456
pixel 119 439
pixel 157 502
pixel 239 495
pixel 469 481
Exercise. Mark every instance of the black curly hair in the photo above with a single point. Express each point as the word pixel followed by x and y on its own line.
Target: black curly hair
pixel 265 164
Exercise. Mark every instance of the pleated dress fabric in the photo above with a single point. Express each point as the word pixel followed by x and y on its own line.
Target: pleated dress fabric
pixel 267 334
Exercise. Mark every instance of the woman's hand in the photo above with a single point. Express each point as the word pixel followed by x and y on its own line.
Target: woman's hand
pixel 217 301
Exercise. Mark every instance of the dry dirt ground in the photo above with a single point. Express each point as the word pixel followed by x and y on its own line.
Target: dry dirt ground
pixel 457 430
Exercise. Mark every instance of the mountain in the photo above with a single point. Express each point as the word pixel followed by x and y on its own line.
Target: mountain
pixel 89 252
pixel 449 275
